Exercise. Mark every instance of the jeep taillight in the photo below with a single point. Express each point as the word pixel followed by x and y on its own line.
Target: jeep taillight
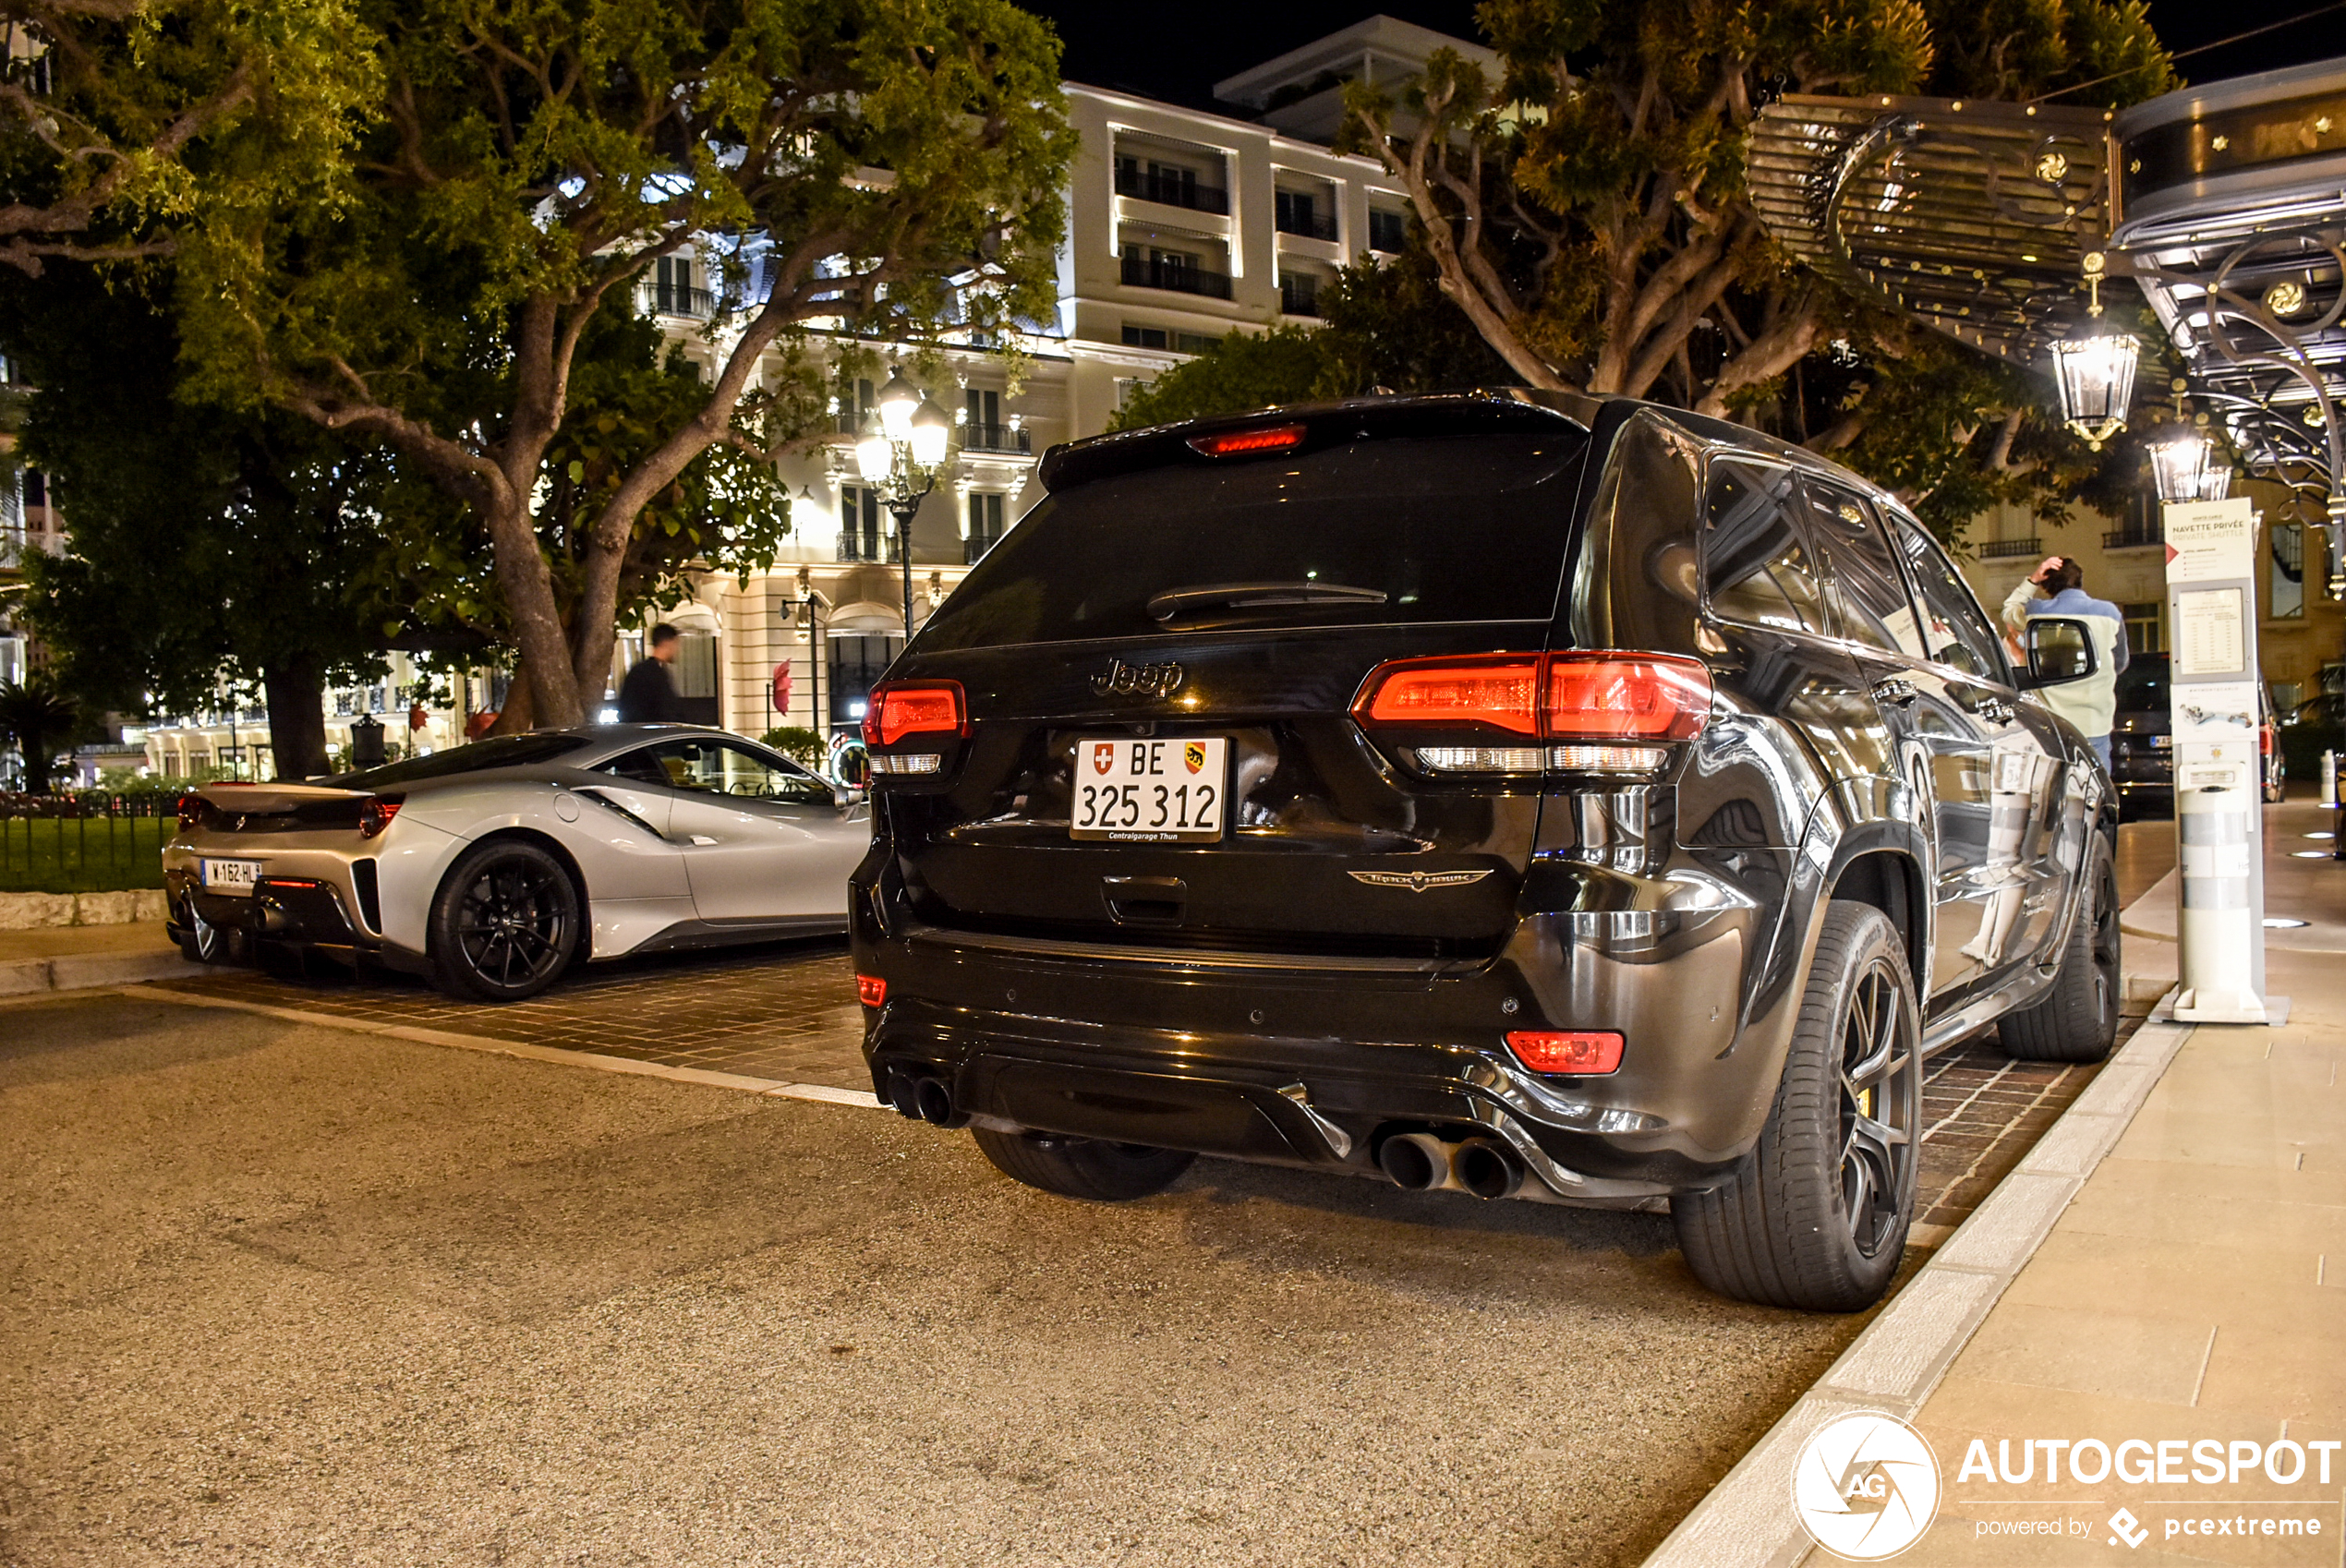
pixel 918 707
pixel 1616 708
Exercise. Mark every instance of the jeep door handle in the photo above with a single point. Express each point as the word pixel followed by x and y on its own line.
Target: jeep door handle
pixel 1895 690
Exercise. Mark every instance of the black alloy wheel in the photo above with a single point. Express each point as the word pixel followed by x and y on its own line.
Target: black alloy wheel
pixel 505 924
pixel 2076 1019
pixel 1881 1110
pixel 200 942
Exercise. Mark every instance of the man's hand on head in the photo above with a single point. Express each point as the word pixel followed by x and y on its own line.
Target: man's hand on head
pixel 2043 576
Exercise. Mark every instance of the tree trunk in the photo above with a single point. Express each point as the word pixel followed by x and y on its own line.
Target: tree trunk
pixel 296 689
pixel 38 753
pixel 521 702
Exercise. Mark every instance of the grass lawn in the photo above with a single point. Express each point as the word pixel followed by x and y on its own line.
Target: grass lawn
pixel 88 854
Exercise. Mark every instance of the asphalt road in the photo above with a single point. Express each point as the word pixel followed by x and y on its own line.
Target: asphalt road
pixel 277 1292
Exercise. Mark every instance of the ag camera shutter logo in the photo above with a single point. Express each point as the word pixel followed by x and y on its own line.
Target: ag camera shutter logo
pixel 1866 1486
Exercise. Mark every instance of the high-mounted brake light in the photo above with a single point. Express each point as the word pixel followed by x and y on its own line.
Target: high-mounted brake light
pixel 1580 1052
pixel 1239 444
pixel 375 814
pixel 917 708
pixel 1603 696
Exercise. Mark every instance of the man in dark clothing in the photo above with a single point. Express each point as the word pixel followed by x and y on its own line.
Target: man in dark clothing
pixel 648 695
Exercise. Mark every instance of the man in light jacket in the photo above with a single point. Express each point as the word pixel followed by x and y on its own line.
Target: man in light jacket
pixel 2057 587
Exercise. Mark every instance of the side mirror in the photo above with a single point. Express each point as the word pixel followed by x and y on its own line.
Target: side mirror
pixel 2061 649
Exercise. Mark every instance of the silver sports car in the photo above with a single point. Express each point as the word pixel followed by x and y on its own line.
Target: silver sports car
pixel 492 867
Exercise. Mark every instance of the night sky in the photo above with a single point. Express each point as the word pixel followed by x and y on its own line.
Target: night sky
pixel 1178 53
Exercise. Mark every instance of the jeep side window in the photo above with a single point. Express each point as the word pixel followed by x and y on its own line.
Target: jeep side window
pixel 1869 597
pixel 1954 628
pixel 1755 568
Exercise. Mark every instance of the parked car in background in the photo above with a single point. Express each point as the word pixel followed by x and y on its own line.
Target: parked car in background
pixel 493 867
pixel 2142 758
pixel 1525 795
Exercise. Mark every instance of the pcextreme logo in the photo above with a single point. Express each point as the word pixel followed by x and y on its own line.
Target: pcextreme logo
pixel 1866 1486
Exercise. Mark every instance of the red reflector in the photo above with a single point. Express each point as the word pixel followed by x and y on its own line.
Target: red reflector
pixel 2265 740
pixel 1626 699
pixel 1558 696
pixel 375 816
pixel 291 882
pixel 870 990
pixel 898 711
pixel 1236 443
pixel 1574 1051
pixel 1503 692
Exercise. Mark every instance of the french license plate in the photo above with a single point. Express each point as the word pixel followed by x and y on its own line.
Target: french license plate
pixel 1167 792
pixel 230 876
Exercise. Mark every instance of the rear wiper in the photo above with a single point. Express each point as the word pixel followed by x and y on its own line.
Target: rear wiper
pixel 1180 601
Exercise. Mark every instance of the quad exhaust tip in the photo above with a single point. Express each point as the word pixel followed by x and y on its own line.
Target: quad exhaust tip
pixel 1420 1162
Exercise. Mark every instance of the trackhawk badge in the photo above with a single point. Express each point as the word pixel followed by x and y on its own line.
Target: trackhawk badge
pixel 1418 881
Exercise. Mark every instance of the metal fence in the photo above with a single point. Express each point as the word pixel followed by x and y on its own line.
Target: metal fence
pixel 92 843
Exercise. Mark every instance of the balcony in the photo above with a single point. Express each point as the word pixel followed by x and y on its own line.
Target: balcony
pixel 1999 549
pixel 1299 296
pixel 974 549
pixel 1168 191
pixel 866 547
pixel 996 438
pixel 675 299
pixel 1139 273
pixel 2135 536
pixel 1306 221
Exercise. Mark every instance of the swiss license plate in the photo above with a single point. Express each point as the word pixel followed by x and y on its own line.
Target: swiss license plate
pixel 1164 791
pixel 230 876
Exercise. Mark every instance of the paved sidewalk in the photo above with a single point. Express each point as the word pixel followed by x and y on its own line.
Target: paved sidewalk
pixel 2157 1295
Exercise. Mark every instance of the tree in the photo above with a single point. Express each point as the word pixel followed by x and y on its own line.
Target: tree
pixel 40 719
pixel 209 546
pixel 891 166
pixel 1387 325
pixel 1587 213
pixel 110 110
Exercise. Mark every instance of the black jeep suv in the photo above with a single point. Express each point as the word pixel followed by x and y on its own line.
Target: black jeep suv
pixel 1534 796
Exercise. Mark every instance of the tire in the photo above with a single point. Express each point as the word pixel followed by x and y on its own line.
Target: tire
pixel 200 942
pixel 1090 1168
pixel 505 924
pixel 1816 1217
pixel 2077 1020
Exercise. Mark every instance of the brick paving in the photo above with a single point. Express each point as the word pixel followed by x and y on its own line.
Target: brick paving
pixel 783 1011
pixel 787 1012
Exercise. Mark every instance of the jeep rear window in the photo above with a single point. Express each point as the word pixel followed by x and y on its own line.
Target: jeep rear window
pixel 1447 527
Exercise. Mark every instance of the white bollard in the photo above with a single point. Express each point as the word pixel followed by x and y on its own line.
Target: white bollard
pixel 2217 947
pixel 2330 779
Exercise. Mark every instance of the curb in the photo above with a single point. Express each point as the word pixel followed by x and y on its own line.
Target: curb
pixel 82 972
pixel 1747 1520
pixel 52 912
pixel 770 1088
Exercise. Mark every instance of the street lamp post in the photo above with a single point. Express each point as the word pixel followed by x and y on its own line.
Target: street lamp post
pixel 902 459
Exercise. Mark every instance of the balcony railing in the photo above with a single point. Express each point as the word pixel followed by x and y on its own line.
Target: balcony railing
pixel 2135 536
pixel 852 546
pixel 1140 273
pixel 974 549
pixel 1310 225
pixel 1997 550
pixel 1172 192
pixel 996 438
pixel 1298 297
pixel 676 300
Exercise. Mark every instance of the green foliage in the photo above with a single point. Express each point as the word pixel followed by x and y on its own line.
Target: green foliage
pixel 39 717
pixel 1385 325
pixel 804 747
pixel 895 166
